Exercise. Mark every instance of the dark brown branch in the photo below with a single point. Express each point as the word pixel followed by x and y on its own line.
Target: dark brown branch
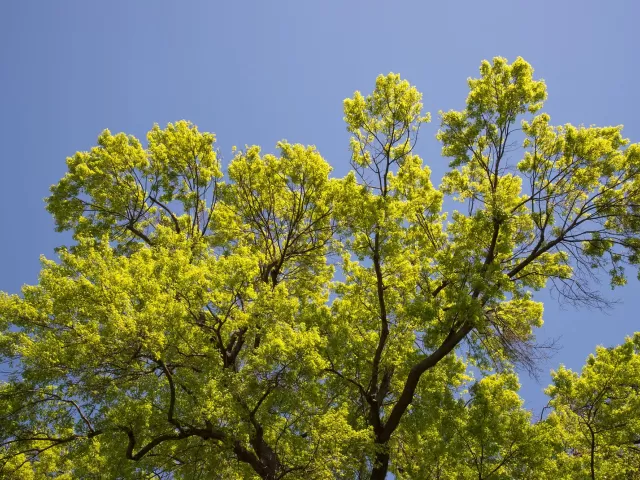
pixel 406 397
pixel 139 234
pixel 176 224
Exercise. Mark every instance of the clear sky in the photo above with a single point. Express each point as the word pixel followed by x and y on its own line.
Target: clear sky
pixel 258 72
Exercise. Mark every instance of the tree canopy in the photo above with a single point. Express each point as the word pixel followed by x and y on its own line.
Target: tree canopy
pixel 270 321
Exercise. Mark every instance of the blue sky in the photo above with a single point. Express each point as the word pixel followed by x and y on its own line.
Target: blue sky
pixel 258 72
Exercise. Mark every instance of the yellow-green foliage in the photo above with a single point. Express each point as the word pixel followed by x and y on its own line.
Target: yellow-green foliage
pixel 272 321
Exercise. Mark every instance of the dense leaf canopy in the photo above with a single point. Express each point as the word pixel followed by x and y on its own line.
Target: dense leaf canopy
pixel 272 321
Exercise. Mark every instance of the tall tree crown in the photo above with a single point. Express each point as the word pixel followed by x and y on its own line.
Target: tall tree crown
pixel 273 321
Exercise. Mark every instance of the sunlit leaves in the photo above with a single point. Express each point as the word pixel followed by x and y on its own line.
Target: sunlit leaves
pixel 270 321
pixel 596 412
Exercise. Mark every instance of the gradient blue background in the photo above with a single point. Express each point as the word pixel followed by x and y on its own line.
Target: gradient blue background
pixel 258 72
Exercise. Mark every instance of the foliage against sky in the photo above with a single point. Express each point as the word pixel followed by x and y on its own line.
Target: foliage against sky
pixel 281 323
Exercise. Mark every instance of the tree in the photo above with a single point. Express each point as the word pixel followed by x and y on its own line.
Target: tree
pixel 597 413
pixel 197 326
pixel 487 436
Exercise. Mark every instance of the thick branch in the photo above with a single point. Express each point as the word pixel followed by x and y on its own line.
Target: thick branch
pixel 139 234
pixel 406 397
pixel 174 219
